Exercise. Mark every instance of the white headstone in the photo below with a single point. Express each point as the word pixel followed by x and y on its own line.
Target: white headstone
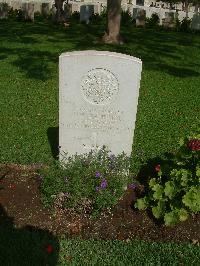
pixel 75 7
pixel 3 10
pixel 195 24
pixel 45 9
pixel 141 16
pixel 68 10
pixel 86 11
pixel 98 94
pixel 29 11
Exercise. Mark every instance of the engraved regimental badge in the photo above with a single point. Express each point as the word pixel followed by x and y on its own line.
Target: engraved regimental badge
pixel 99 86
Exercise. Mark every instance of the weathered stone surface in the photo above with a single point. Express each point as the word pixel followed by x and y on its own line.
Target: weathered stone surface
pixel 98 101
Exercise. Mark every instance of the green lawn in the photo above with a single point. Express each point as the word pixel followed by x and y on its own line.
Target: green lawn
pixel 169 105
pixel 169 94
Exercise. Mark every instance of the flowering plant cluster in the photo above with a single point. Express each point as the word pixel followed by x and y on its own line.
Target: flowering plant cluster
pixel 174 192
pixel 86 183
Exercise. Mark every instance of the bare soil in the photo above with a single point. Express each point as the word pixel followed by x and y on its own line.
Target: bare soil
pixel 20 202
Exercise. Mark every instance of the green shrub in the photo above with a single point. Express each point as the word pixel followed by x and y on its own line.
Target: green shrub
pixel 126 18
pixel 86 183
pixel 185 25
pixel 104 12
pixel 174 192
pixel 177 24
pixel 16 14
pixel 75 16
pixel 4 6
pixel 96 19
pixel 153 20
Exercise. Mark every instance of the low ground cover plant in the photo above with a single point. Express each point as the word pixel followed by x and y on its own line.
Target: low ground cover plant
pixel 174 193
pixel 86 183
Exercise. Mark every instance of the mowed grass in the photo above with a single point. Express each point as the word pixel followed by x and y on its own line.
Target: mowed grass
pixel 169 105
pixel 169 102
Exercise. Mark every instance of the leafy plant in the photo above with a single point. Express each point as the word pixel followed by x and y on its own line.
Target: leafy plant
pixel 126 18
pixel 153 20
pixel 75 16
pixel 174 192
pixel 185 25
pixel 96 19
pixel 16 14
pixel 86 183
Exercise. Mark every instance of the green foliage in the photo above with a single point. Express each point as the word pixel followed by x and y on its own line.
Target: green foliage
pixel 153 21
pixel 171 218
pixel 158 191
pixel 97 19
pixel 86 183
pixel 159 210
pixel 126 18
pixel 177 23
pixel 142 204
pixel 104 12
pixel 4 6
pixel 16 14
pixel 192 199
pixel 170 189
pixel 185 25
pixel 175 192
pixel 75 16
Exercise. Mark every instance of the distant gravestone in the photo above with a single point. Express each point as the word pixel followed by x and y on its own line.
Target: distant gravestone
pixel 45 9
pixel 53 12
pixel 98 98
pixel 169 20
pixel 4 10
pixel 86 11
pixel 37 7
pixel 135 12
pixel 195 24
pixel 75 7
pixel 16 5
pixel 141 17
pixel 68 10
pixel 28 9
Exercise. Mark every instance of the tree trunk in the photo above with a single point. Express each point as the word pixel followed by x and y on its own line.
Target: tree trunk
pixel 60 17
pixel 186 6
pixel 112 34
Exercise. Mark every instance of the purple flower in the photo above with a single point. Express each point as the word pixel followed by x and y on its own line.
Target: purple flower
pixel 104 183
pixel 132 186
pixel 97 174
pixel 97 189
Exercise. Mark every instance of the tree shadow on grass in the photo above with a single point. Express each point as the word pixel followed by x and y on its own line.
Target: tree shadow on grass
pixel 26 246
pixel 158 49
pixel 53 137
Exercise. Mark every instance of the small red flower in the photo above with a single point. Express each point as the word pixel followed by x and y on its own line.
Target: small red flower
pixel 157 168
pixel 194 144
pixel 49 249
pixel 12 186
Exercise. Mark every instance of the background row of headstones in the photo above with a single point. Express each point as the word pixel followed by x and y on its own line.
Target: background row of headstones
pixel 86 10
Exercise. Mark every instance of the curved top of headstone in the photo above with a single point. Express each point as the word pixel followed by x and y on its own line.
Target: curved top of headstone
pixel 101 53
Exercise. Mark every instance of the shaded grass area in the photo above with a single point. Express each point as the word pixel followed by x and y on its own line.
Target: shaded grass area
pixel 29 246
pixel 26 246
pixel 169 94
